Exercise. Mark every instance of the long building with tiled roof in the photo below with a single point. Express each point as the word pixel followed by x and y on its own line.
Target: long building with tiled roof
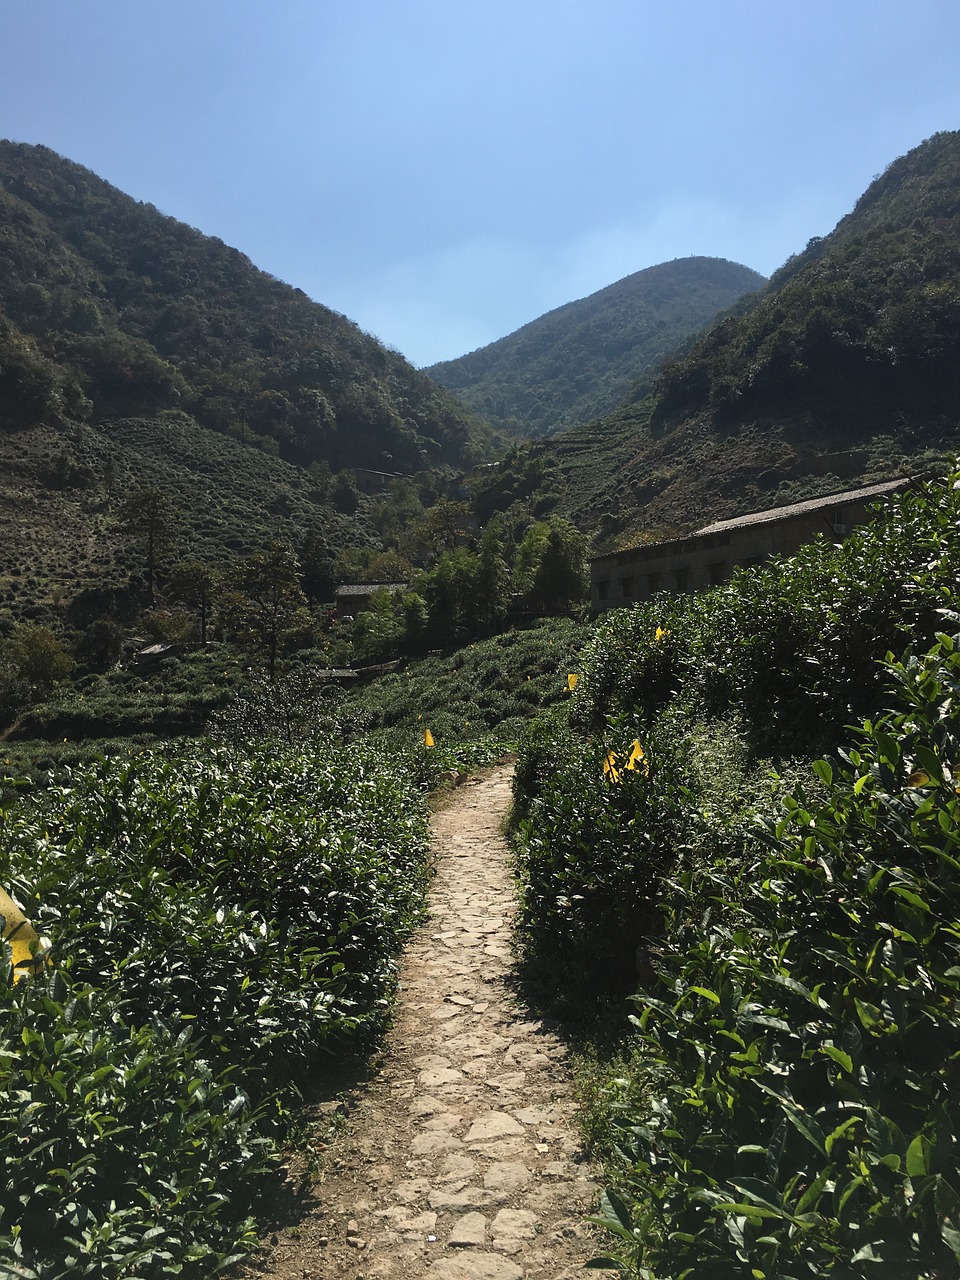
pixel 708 556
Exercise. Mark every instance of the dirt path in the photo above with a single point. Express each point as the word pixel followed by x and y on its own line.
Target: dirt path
pixel 461 1161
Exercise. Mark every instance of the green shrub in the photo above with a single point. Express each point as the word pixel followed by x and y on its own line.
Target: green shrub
pixel 599 826
pixel 123 1152
pixel 218 919
pixel 802 1046
pixel 793 646
pixel 263 895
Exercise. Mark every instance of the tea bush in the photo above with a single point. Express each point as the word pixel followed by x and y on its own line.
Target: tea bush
pixel 791 646
pixel 218 920
pixel 802 1117
pixel 593 843
pixel 123 1152
pixel 492 686
pixel 770 665
pixel 275 887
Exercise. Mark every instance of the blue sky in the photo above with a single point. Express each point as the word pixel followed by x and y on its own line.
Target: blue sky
pixel 443 171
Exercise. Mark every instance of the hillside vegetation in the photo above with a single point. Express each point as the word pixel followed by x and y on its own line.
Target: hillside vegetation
pixel 582 359
pixel 743 818
pixel 842 369
pixel 222 922
pixel 110 309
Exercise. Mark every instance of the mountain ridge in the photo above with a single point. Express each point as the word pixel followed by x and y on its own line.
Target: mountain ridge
pixel 844 369
pixel 109 308
pixel 581 358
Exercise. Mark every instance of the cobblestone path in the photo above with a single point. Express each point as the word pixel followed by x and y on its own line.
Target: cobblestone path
pixel 461 1160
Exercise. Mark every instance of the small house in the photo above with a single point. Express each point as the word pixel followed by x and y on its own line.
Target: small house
pixel 355 598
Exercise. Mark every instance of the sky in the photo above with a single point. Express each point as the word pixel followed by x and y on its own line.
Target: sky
pixel 444 171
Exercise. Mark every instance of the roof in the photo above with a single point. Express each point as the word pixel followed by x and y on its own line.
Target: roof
pixel 801 508
pixel 368 588
pixel 688 541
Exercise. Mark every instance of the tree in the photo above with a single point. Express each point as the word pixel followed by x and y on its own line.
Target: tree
pixel 267 607
pixel 551 566
pixel 100 645
pixel 146 518
pixel 493 579
pixel 194 583
pixel 444 526
pixel 452 589
pixel 317 564
pixel 378 630
pixel 32 661
pixel 345 495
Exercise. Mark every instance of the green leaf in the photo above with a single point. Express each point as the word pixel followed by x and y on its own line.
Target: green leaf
pixel 812 1195
pixel 868 1253
pixel 839 1057
pixel 913 898
pixel 951 1238
pixel 918 1156
pixel 868 1014
pixel 707 994
pixel 824 771
pixel 806 1125
pixel 930 761
pixel 839 1131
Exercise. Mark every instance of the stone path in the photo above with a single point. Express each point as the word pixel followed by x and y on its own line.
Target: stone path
pixel 462 1159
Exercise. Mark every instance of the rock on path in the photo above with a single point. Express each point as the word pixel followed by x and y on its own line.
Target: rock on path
pixel 462 1160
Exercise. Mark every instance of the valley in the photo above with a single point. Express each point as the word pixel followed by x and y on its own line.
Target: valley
pixel 270 597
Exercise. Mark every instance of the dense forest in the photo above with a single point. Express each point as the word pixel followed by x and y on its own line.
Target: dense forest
pixel 110 309
pixel 582 359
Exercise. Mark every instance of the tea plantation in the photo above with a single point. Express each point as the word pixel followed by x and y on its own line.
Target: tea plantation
pixel 221 919
pixel 739 835
pixel 752 806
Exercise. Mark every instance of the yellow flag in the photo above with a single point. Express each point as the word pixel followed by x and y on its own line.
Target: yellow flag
pixel 428 738
pixel 638 759
pixel 610 769
pixel 20 933
pixel 572 679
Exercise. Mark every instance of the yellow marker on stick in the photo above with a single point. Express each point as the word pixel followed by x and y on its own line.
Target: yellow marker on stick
pixel 24 943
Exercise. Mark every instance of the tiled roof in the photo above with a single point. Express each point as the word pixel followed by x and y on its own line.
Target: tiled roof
pixel 801 508
pixel 368 588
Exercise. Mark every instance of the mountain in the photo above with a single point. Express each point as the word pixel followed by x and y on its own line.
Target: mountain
pixel 845 368
pixel 109 309
pixel 579 361
pixel 138 354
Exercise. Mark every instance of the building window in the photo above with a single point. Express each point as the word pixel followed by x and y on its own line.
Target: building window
pixel 681 576
pixel 626 586
pixel 603 587
pixel 653 583
pixel 717 572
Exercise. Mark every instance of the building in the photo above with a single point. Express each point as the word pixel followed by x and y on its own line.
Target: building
pixel 375 483
pixel 355 598
pixel 708 556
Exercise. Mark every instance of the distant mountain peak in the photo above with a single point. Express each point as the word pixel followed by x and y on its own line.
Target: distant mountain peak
pixel 582 358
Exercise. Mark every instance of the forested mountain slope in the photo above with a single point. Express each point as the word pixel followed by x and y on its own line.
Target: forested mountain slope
pixel 845 368
pixel 110 309
pixel 581 359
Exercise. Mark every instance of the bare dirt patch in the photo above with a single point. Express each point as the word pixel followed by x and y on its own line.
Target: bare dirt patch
pixel 461 1159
